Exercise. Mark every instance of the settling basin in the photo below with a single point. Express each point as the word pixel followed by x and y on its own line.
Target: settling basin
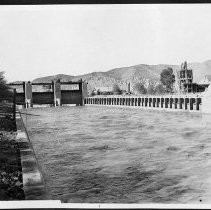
pixel 98 154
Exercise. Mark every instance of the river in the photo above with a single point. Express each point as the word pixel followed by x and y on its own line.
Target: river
pixel 97 154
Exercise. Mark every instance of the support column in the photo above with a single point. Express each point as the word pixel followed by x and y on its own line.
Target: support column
pixel 192 103
pixel 28 94
pixel 84 91
pixel 146 102
pixel 198 103
pixel 161 102
pixel 153 102
pixel 176 103
pixel 157 102
pixel 132 102
pixel 127 101
pixel 166 102
pixel 143 102
pixel 57 93
pixel 118 101
pixel 171 101
pixel 139 101
pixel 80 84
pixel 150 102
pixel 181 101
pixel 186 103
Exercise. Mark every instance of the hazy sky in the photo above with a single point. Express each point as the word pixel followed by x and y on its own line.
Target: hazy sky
pixel 39 41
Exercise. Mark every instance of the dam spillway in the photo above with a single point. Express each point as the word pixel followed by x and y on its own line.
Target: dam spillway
pixel 172 102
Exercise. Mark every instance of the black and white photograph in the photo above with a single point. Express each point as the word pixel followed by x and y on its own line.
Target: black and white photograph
pixel 105 105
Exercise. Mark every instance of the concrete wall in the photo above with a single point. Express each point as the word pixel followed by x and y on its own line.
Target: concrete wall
pixel 33 182
pixel 151 102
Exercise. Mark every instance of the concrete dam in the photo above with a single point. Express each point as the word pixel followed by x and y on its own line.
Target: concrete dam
pixel 58 96
pixel 172 102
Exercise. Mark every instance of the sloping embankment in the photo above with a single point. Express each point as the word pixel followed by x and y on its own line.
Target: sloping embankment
pixel 33 182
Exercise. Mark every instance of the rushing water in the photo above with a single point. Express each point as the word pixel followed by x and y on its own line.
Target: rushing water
pixel 122 155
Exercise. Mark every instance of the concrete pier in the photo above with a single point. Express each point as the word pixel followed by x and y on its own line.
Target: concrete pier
pixel 57 93
pixel 171 102
pixel 206 106
pixel 28 94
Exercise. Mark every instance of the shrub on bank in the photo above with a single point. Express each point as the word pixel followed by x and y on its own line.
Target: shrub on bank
pixel 5 90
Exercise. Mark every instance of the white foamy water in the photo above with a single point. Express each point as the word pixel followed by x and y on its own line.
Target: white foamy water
pixel 122 155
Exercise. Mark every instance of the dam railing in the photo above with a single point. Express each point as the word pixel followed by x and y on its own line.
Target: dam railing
pixel 191 102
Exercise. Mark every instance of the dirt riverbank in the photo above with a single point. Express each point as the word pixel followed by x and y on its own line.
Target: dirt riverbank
pixel 11 185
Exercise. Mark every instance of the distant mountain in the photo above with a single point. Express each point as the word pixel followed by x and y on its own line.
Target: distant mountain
pixel 16 82
pixel 62 77
pixel 131 74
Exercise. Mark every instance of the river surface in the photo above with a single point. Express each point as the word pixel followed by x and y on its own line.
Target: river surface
pixel 98 154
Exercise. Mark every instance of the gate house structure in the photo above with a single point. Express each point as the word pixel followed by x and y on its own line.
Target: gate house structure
pixel 55 96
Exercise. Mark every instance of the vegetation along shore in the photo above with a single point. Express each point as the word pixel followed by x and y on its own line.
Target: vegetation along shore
pixel 11 186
